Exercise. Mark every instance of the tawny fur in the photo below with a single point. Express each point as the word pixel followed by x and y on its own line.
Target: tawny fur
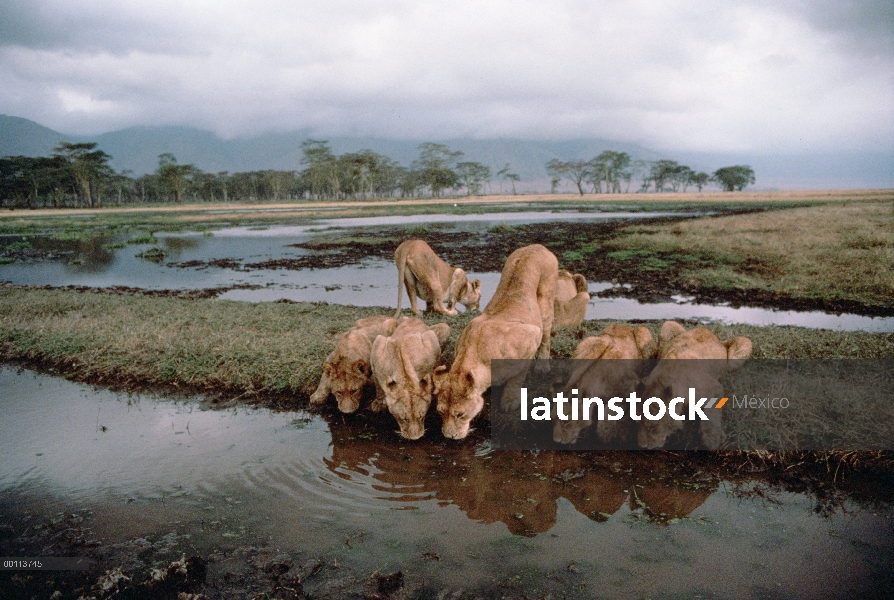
pixel 571 302
pixel 613 359
pixel 402 364
pixel 426 276
pixel 669 380
pixel 516 324
pixel 346 370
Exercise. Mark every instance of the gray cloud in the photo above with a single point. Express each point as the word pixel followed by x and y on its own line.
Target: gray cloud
pixel 747 75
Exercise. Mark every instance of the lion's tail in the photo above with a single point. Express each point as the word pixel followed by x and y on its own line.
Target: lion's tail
pixel 400 260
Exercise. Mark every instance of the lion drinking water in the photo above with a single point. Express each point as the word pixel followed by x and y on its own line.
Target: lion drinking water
pixel 516 324
pixel 428 277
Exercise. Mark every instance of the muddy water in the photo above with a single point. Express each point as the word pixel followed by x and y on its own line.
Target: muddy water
pixel 371 282
pixel 457 515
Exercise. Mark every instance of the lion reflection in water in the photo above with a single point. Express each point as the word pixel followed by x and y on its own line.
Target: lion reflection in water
pixel 517 488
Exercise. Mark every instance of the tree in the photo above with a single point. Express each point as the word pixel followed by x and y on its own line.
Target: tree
pixel 279 182
pixel 435 167
pixel 174 178
pixel 321 173
pixel 368 173
pixel 611 167
pixel 664 171
pixel 735 177
pixel 556 170
pixel 87 166
pixel 408 181
pixel 506 174
pixel 700 179
pixel 681 176
pixel 642 169
pixel 575 170
pixel 473 175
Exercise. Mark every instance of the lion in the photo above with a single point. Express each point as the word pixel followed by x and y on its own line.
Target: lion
pixel 611 369
pixel 571 302
pixel 672 379
pixel 402 365
pixel 427 276
pixel 516 324
pixel 346 371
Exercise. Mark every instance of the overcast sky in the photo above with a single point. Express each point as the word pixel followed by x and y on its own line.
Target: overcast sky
pixel 760 76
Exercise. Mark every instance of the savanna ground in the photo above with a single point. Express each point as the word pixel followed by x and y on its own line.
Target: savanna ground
pixel 818 250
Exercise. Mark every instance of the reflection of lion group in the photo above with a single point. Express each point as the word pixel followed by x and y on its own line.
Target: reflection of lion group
pixel 401 355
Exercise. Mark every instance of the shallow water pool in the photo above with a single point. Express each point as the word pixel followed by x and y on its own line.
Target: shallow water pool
pixel 457 515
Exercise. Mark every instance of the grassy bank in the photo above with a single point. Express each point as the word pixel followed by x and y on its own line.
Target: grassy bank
pixel 840 255
pixel 263 350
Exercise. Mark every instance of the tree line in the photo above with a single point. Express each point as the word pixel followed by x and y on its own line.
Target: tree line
pixel 79 175
pixel 614 172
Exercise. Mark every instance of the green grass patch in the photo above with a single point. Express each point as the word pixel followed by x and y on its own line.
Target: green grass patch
pixel 7 260
pixel 418 230
pixel 17 246
pixel 155 255
pixel 501 228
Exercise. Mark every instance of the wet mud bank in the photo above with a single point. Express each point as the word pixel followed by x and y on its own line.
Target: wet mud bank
pixel 582 247
pixel 120 290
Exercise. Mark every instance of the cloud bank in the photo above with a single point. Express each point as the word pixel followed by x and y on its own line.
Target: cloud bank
pixel 698 76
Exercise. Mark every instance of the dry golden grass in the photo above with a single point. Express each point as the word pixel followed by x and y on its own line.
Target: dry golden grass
pixel 835 251
pixel 261 210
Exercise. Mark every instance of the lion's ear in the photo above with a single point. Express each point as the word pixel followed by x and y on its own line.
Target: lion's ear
pixel 738 348
pixel 670 330
pixel 442 331
pixel 476 285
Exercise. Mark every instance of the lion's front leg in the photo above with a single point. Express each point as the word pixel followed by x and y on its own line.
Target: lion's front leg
pixel 322 392
pixel 435 300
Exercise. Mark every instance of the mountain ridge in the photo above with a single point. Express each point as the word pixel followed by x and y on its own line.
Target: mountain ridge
pixel 136 149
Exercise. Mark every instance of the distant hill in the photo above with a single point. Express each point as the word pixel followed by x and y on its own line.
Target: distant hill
pixel 21 137
pixel 136 149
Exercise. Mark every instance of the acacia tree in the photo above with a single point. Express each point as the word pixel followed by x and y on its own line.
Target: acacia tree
pixel 664 171
pixel 575 170
pixel 699 179
pixel 681 178
pixel 506 174
pixel 322 172
pixel 174 178
pixel 435 167
pixel 279 182
pixel 734 178
pixel 408 181
pixel 611 167
pixel 473 175
pixel 87 165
